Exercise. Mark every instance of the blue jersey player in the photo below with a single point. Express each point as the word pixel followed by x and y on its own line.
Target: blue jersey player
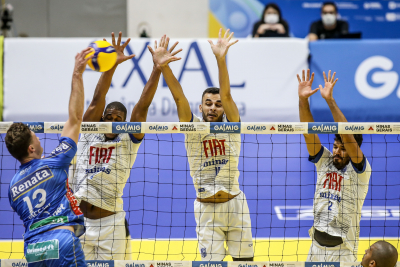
pixel 39 191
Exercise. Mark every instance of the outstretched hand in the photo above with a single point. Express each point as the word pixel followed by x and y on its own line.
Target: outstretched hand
pixel 220 49
pixel 327 90
pixel 81 61
pixel 120 48
pixel 305 90
pixel 161 55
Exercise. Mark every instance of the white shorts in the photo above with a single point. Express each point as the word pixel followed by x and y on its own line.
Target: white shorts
pixel 217 223
pixel 336 254
pixel 105 238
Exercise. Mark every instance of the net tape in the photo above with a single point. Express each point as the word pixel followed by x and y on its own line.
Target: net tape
pixel 218 127
pixel 131 263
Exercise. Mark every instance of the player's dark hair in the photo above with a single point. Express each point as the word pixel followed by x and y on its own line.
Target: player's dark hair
pixel 18 139
pixel 358 137
pixel 210 90
pixel 117 106
pixel 274 6
pixel 384 254
pixel 329 3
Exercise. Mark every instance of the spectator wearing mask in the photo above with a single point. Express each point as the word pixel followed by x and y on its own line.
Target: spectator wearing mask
pixel 329 27
pixel 271 23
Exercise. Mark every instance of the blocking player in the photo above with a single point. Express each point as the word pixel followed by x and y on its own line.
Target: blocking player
pixel 221 210
pixel 381 253
pixel 39 191
pixel 342 181
pixel 103 166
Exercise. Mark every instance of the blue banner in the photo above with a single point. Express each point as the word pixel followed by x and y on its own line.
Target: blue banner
pixel 209 264
pixel 37 127
pixel 317 127
pixel 322 264
pixel 99 263
pixel 374 19
pixel 368 71
pixel 223 127
pixel 126 127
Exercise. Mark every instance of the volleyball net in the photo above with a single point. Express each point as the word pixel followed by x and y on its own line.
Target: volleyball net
pixel 275 174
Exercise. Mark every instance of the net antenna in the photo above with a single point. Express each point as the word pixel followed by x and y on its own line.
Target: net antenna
pixel 7 26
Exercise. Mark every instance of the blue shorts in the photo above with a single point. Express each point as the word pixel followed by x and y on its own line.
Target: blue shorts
pixel 57 248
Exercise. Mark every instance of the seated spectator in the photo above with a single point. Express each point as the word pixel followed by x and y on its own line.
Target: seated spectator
pixel 271 23
pixel 329 27
pixel 380 253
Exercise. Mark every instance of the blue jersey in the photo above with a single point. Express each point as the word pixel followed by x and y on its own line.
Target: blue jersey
pixel 39 192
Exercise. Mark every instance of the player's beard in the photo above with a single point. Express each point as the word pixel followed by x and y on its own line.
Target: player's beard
pixel 110 136
pixel 206 119
pixel 339 164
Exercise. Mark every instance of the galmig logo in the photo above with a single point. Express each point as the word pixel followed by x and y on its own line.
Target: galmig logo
pixel 248 265
pixel 210 264
pixel 57 127
pixel 354 128
pixel 225 127
pixel 315 127
pixel 20 264
pixel 158 128
pixel 324 128
pixel 121 127
pixel 37 127
pixel 93 263
pixel 256 128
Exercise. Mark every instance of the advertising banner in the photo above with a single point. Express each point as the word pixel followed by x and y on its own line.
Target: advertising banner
pixel 262 74
pixel 368 87
pixel 374 19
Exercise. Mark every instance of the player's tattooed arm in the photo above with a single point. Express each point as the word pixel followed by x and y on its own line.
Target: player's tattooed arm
pixel 96 107
pixel 220 49
pixel 349 141
pixel 162 57
pixel 76 100
pixel 305 91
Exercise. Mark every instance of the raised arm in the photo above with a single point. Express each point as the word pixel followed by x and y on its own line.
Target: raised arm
pixel 305 91
pixel 349 141
pixel 139 112
pixel 220 49
pixel 162 57
pixel 76 100
pixel 96 107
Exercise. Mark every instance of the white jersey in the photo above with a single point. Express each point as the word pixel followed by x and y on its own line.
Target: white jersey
pixel 339 197
pixel 213 160
pixel 102 169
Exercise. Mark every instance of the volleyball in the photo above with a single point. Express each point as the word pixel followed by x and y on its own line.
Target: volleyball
pixel 104 56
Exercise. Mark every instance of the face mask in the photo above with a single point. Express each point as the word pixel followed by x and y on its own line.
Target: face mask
pixel 271 18
pixel 329 19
